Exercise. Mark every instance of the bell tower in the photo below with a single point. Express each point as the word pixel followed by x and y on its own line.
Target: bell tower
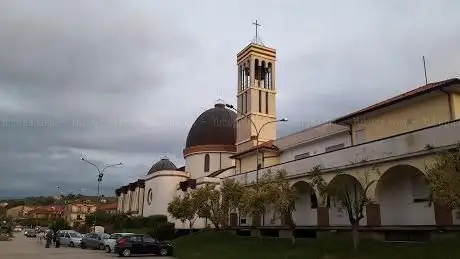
pixel 256 94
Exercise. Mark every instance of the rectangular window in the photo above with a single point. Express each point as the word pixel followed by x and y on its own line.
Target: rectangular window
pixel 266 102
pixel 359 137
pixel 246 102
pixel 260 101
pixel 335 147
pixel 303 155
pixel 420 189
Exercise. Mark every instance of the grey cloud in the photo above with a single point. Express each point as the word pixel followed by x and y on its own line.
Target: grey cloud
pixel 125 80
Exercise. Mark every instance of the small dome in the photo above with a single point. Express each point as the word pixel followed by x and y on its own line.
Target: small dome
pixel 215 126
pixel 163 164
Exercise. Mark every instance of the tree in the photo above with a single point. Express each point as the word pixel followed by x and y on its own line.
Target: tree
pixel 209 204
pixel 232 194
pixel 257 199
pixel 444 178
pixel 348 195
pixel 282 197
pixel 183 208
pixel 59 224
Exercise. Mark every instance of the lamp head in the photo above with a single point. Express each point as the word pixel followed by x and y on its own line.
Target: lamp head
pixel 284 120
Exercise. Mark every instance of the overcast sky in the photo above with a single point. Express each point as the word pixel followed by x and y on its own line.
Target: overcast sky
pixel 123 81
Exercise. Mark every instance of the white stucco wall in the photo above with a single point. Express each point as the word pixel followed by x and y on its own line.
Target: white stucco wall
pixel 164 186
pixel 397 205
pixel 194 163
pixel 315 147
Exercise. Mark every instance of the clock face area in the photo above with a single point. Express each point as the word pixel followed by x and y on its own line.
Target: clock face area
pixel 149 196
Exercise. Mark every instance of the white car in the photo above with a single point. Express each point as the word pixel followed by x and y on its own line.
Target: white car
pixel 70 238
pixel 109 243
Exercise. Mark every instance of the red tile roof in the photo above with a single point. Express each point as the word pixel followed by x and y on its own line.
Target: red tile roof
pixel 407 95
pixel 109 206
pixel 52 209
pixel 265 145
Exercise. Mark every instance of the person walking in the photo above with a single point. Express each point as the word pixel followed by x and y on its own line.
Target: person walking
pixel 57 240
pixel 49 238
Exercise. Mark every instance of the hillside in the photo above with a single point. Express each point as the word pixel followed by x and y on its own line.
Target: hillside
pixel 48 200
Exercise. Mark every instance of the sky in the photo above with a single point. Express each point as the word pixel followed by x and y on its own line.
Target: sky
pixel 123 81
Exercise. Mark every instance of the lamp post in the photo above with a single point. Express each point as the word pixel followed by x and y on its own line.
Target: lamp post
pixel 258 131
pixel 99 180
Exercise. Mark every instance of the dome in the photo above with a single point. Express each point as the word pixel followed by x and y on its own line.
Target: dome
pixel 163 164
pixel 215 126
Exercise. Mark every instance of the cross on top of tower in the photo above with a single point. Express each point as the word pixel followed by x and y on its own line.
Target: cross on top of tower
pixel 257 39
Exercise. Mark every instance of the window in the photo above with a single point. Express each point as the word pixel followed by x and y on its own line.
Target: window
pixel 206 163
pixel 313 200
pixel 149 239
pixel 242 221
pixel 335 147
pixel 266 102
pixel 246 102
pixel 135 238
pixel 260 101
pixel 359 137
pixel 303 155
pixel 420 189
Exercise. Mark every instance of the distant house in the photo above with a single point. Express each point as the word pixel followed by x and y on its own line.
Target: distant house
pixel 20 211
pixel 51 212
pixel 75 213
pixel 109 207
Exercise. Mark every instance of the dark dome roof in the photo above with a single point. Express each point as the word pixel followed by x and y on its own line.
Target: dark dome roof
pixel 215 126
pixel 163 164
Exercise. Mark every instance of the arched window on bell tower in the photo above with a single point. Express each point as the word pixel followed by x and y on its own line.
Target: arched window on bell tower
pixel 206 163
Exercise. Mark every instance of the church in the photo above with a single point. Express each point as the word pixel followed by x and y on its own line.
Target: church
pixel 397 136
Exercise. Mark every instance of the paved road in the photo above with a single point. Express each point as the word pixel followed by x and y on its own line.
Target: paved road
pixel 25 248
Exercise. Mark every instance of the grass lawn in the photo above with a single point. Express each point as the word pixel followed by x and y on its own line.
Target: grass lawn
pixel 223 245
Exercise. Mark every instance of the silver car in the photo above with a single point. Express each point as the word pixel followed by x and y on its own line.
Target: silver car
pixel 70 238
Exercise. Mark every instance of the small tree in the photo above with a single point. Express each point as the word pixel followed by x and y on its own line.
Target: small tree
pixel 232 194
pixel 59 224
pixel 444 178
pixel 183 208
pixel 282 197
pixel 209 204
pixel 348 195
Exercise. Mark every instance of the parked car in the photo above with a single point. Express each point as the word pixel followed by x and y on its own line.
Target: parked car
pixel 142 244
pixel 30 233
pixel 70 238
pixel 17 229
pixel 94 241
pixel 110 242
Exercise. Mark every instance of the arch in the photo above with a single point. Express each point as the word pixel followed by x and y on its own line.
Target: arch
pixel 343 187
pixel 305 205
pixel 403 192
pixel 206 162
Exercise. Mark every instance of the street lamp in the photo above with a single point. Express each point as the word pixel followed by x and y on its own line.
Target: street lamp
pixel 258 131
pixel 99 180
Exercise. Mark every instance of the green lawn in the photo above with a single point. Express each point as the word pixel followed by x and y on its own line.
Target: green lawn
pixel 211 245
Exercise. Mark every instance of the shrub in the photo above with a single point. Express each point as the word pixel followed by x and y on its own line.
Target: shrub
pixel 155 220
pixel 163 231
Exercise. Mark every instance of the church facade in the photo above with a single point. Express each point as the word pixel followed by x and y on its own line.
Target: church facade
pixel 389 142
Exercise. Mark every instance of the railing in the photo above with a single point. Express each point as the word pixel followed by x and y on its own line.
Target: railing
pixel 392 147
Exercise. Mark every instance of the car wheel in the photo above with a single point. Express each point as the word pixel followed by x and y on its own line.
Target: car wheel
pixel 101 247
pixel 71 244
pixel 120 254
pixel 163 252
pixel 107 249
pixel 126 252
pixel 82 246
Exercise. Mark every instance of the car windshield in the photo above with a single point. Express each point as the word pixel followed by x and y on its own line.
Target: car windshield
pixel 75 235
pixel 114 236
